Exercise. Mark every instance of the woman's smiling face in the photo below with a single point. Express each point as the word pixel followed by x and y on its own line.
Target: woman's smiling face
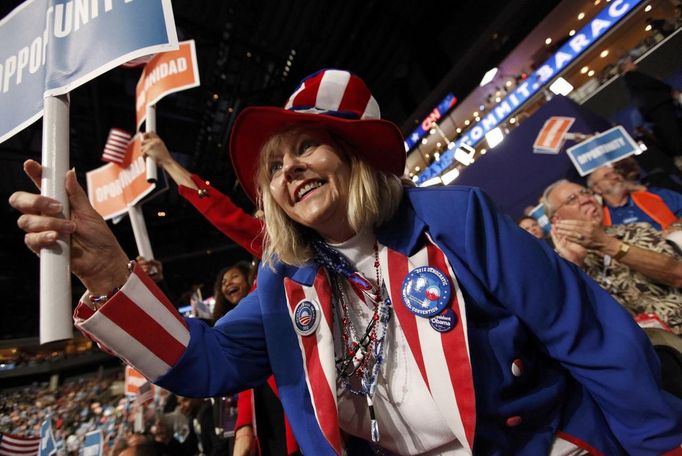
pixel 309 180
pixel 234 285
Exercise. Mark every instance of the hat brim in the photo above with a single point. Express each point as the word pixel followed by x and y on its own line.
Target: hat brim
pixel 377 141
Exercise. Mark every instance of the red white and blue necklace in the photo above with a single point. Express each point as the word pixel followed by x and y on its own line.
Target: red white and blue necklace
pixel 362 356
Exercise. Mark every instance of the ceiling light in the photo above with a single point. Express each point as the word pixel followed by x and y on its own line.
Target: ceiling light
pixel 604 53
pixel 417 169
pixel 508 83
pixel 450 176
pixel 483 151
pixel 438 144
pixel 436 155
pixel 476 114
pixel 512 120
pixel 414 178
pixel 561 87
pixel 432 131
pixel 433 181
pixel 494 137
pixel 590 73
pixel 597 2
pixel 498 99
pixel 425 141
pixel 648 28
pixel 467 122
pixel 584 69
pixel 451 146
pixel 647 8
pixel 481 108
pixel 478 119
pixel 161 214
pixel 488 77
pixel 464 156
pixel 548 41
pixel 581 16
pixel 571 33
pixel 459 130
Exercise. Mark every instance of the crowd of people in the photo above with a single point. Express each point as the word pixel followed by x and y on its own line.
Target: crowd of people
pixel 625 235
pixel 76 407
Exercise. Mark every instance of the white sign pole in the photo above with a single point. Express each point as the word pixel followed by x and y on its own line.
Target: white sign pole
pixel 150 126
pixel 55 269
pixel 144 247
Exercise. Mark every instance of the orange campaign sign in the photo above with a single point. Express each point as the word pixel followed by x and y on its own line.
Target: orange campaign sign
pixel 166 73
pixel 133 380
pixel 112 188
pixel 552 135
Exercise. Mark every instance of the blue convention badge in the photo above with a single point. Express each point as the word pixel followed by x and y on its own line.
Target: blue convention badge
pixel 444 322
pixel 426 291
pixel 306 317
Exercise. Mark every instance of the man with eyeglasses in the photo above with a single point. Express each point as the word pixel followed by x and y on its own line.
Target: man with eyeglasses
pixel 626 203
pixel 631 261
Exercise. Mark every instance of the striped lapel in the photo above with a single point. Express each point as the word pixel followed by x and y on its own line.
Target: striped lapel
pixel 453 392
pixel 317 351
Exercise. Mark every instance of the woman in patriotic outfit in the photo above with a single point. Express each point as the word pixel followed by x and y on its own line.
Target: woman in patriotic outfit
pixel 398 320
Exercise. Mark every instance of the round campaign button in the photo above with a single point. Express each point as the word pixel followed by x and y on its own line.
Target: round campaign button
pixel 306 317
pixel 426 291
pixel 444 322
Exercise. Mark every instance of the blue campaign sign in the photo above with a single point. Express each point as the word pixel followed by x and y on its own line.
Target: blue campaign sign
pixel 93 444
pixel 48 446
pixel 50 47
pixel 604 148
pixel 539 214
pixel 608 17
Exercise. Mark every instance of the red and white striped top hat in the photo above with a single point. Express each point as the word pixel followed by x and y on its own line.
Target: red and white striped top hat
pixel 335 99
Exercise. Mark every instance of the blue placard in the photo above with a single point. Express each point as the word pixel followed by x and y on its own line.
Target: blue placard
pixel 50 47
pixel 608 17
pixel 93 444
pixel 604 148
pixel 48 446
pixel 539 214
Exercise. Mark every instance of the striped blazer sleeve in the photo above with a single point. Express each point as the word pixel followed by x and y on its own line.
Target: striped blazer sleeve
pixel 139 325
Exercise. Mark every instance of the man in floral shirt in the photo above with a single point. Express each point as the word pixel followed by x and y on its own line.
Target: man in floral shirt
pixel 633 261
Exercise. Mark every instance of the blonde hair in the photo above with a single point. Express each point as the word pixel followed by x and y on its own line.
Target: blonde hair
pixel 374 196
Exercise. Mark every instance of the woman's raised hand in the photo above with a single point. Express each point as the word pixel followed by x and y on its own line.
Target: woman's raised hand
pixel 96 257
pixel 154 147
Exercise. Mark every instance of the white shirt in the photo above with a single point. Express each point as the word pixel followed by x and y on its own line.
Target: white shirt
pixel 409 420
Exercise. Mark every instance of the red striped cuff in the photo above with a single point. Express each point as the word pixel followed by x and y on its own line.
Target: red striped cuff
pixel 139 325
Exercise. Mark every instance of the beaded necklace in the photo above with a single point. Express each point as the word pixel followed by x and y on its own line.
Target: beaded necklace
pixel 359 352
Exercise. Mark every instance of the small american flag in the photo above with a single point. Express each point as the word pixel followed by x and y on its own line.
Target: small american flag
pixel 145 394
pixel 14 445
pixel 116 148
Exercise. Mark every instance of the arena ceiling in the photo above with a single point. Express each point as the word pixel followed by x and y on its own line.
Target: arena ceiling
pixel 403 49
